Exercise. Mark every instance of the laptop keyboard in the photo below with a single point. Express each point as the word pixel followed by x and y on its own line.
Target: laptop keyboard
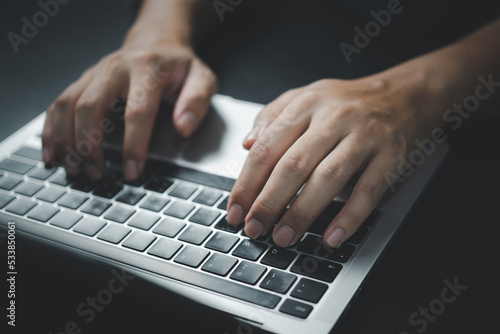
pixel 178 215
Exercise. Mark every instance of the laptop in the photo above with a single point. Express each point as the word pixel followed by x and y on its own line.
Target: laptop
pixel 169 227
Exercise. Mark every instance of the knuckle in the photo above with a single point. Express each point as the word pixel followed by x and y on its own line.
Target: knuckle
pixel 136 112
pixel 264 208
pixel 63 104
pixel 86 106
pixel 330 174
pixel 260 153
pixel 376 187
pixel 297 216
pixel 309 97
pixel 293 164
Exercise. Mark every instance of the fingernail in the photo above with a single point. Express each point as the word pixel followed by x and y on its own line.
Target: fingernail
pixel 254 228
pixel 284 236
pixel 336 237
pixel 131 171
pixel 235 214
pixel 252 135
pixel 187 122
pixel 92 171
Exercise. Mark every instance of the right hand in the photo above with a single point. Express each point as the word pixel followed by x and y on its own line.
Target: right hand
pixel 144 69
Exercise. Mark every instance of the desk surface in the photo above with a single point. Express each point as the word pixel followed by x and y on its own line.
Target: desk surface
pixel 451 235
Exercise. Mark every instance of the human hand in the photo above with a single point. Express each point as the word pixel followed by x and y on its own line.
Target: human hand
pixel 320 135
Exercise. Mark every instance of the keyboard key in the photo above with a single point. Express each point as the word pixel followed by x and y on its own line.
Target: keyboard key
pixel 183 191
pixel 319 225
pixel 219 264
pixel 29 152
pixel 119 214
pixel 144 220
pixel 65 219
pixel 5 199
pixel 89 226
pixel 358 236
pixel 29 188
pixel 195 234
pixel 107 189
pixel 222 242
pixel 248 272
pixel 43 213
pixel 316 268
pixel 278 281
pixel 223 204
pixel 295 308
pixel 155 203
pixel 208 197
pixel 309 290
pixel 158 184
pixel 131 197
pixel 139 181
pixel 204 216
pixel 169 227
pixel 139 241
pixel 249 249
pixel 165 248
pixel 73 201
pixel 192 256
pixel 43 174
pixel 114 233
pixel 61 179
pixel 83 183
pixel 179 210
pixel 314 245
pixel 20 206
pixel 50 194
pixel 224 226
pixel 96 207
pixel 278 257
pixel 333 209
pixel 9 182
pixel 15 166
pixel 372 218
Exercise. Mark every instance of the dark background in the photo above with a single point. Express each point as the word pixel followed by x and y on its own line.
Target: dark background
pixel 260 50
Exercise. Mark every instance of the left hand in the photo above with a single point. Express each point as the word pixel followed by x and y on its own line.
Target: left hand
pixel 320 135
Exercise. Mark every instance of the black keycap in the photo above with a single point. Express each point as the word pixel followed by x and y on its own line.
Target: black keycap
pixel 165 248
pixel 222 242
pixel 278 281
pixel 309 290
pixel 108 189
pixel 84 184
pixel 223 204
pixel 29 188
pixel 224 226
pixel 114 233
pixel 219 264
pixel 5 199
pixel 50 194
pixel 43 213
pixel 29 152
pixel 131 197
pixel 73 201
pixel 372 218
pixel 314 245
pixel 9 182
pixel 333 209
pixel 183 191
pixel 248 272
pixel 204 216
pixel 278 257
pixel 169 227
pixel 15 166
pixel 249 249
pixel 139 241
pixel 96 207
pixel 295 308
pixel 144 220
pixel 179 210
pixel 43 174
pixel 113 172
pixel 89 226
pixel 358 236
pixel 195 234
pixel 192 256
pixel 208 197
pixel 158 184
pixel 20 206
pixel 139 181
pixel 316 268
pixel 155 203
pixel 119 214
pixel 61 179
pixel 319 225
pixel 65 219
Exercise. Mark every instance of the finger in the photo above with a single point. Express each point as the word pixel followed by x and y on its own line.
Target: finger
pixel 58 138
pixel 140 113
pixel 95 102
pixel 194 99
pixel 326 181
pixel 263 156
pixel 267 115
pixel 368 191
